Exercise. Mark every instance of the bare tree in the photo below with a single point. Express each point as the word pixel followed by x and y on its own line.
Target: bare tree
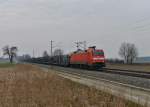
pixel 133 53
pixel 11 52
pixel 58 52
pixel 128 52
pixel 45 54
pixel 123 52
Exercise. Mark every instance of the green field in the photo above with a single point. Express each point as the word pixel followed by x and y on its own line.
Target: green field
pixel 4 65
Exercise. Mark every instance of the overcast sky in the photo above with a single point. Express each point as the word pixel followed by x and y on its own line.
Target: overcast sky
pixel 31 24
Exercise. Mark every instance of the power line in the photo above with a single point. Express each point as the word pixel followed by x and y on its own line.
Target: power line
pixel 82 45
pixel 85 45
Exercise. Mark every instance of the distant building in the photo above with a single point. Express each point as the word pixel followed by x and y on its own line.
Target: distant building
pixel 142 60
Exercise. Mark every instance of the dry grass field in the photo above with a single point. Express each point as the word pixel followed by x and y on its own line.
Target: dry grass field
pixel 139 67
pixel 30 86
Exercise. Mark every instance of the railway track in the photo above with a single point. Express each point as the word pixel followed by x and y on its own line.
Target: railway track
pixel 133 73
pixel 128 77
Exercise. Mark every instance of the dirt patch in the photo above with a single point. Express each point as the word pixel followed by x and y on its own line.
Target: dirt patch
pixel 30 86
pixel 138 67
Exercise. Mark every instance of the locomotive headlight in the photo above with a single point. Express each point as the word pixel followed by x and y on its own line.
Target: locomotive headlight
pixel 98 58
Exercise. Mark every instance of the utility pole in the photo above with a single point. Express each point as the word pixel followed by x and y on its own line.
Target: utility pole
pixel 33 54
pixel 52 48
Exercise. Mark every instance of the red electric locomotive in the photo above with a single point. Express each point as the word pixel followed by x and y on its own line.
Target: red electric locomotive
pixel 92 57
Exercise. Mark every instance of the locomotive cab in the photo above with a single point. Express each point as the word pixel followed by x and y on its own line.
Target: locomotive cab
pixel 97 57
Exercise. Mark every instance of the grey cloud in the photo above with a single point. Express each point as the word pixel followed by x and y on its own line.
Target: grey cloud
pixel 31 24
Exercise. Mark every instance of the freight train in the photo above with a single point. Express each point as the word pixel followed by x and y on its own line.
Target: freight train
pixel 90 58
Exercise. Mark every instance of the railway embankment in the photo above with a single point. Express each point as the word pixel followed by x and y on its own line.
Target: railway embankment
pixel 131 88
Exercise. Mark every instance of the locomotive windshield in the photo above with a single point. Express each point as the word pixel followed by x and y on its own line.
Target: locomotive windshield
pixel 98 53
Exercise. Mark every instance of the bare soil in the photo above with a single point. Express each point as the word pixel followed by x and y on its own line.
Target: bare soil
pixel 137 67
pixel 30 86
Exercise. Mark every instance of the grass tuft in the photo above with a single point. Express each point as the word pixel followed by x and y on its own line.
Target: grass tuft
pixel 30 86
